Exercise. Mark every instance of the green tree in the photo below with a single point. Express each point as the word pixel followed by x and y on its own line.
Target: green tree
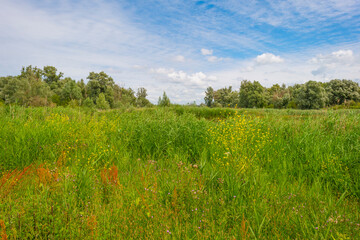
pixel 15 90
pixel 340 91
pixel 50 75
pixel 223 96
pixel 233 99
pixel 252 94
pixel 71 91
pixel 3 82
pixel 57 91
pixel 101 102
pixel 82 86
pixel 164 101
pixel 123 96
pixel 311 95
pixel 88 103
pixel 278 97
pixel 209 97
pixel 100 83
pixel 26 89
pixel 31 72
pixel 141 100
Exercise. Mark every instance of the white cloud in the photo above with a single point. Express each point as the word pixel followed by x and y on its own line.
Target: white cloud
pixel 268 58
pixel 206 52
pixel 209 53
pixel 214 59
pixel 179 58
pixel 341 56
pixel 330 63
pixel 181 86
pixel 194 80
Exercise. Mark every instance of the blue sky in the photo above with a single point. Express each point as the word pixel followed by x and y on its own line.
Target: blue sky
pixel 182 47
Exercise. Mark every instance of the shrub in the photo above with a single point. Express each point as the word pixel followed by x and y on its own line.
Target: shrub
pixel 101 102
pixel 88 103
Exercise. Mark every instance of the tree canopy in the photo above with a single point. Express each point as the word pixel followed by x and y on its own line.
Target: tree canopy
pixel 164 101
pixel 310 95
pixel 42 87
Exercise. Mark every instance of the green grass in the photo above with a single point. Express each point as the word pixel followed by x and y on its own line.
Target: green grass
pixel 179 173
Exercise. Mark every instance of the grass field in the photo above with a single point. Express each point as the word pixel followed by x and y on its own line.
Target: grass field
pixel 179 173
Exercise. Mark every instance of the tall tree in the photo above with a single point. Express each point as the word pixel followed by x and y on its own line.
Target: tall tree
pixel 16 90
pixel 32 73
pixel 209 97
pixel 252 94
pixel 141 100
pixel 278 97
pixel 3 82
pixel 100 83
pixel 71 91
pixel 164 101
pixel 340 91
pixel 27 88
pixel 50 75
pixel 226 97
pixel 82 86
pixel 123 96
pixel 311 95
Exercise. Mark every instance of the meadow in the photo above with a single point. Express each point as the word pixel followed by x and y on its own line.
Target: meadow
pixel 179 173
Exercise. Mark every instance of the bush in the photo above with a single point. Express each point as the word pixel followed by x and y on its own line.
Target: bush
pixel 101 102
pixel 291 105
pixel 88 103
pixel 73 103
pixel 38 101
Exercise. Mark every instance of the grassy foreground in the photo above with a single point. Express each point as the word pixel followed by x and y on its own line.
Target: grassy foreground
pixel 179 173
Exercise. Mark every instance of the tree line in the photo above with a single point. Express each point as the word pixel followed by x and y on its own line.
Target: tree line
pixel 48 87
pixel 310 95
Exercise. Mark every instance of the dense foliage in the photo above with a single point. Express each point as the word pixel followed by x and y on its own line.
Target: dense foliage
pixel 310 95
pixel 47 87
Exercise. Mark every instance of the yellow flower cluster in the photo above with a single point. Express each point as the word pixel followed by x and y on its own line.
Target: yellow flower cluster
pixel 57 118
pixel 236 142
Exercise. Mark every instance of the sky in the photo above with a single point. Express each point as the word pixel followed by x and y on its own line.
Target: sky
pixel 184 46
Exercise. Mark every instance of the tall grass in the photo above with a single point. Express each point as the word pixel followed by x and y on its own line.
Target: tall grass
pixel 181 173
